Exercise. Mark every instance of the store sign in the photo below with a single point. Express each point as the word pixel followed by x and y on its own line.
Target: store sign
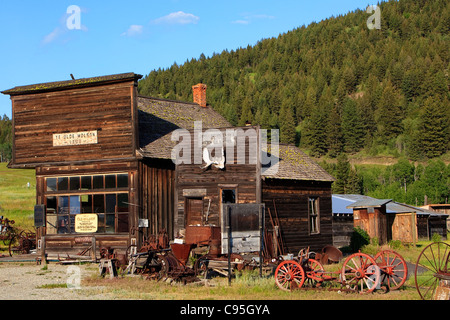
pixel 86 223
pixel 75 138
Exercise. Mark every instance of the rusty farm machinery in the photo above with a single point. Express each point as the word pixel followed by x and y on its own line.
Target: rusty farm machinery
pixel 18 241
pixel 360 272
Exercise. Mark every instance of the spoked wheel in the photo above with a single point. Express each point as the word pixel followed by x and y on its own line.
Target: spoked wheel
pixel 360 273
pixel 314 273
pixel 289 275
pixel 201 267
pixel 433 265
pixel 393 268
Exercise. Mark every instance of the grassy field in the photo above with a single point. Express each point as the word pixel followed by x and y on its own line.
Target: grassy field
pixel 17 198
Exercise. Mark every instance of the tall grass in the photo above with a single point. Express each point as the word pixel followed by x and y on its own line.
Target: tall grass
pixel 17 195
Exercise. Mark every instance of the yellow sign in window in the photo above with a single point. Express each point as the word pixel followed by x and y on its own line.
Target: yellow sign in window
pixel 86 223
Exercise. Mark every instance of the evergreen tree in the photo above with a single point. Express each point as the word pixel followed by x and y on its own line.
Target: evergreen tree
pixel 287 126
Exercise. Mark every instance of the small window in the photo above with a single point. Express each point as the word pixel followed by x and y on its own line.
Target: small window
pixel 51 184
pixel 228 196
pixel 74 183
pixel 110 181
pixel 99 203
pixel 86 182
pixel 98 182
pixel 63 184
pixel 122 181
pixel 313 210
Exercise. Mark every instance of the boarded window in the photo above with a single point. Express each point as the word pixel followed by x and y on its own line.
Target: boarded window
pixel 313 214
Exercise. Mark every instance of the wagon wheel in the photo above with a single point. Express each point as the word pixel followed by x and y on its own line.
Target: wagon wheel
pixel 289 275
pixel 432 266
pixel 201 266
pixel 394 270
pixel 164 267
pixel 360 273
pixel 13 244
pixel 314 272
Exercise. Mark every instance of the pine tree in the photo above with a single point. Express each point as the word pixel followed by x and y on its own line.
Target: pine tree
pixel 287 126
pixel 342 174
pixel 434 127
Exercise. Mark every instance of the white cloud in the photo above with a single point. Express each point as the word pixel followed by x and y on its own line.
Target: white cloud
pixel 52 36
pixel 248 18
pixel 179 17
pixel 240 22
pixel 133 30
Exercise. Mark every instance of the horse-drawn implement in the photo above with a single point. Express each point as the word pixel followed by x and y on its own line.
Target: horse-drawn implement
pixel 17 240
pixel 359 273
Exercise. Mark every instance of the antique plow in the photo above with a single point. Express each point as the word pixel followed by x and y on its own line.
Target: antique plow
pixel 359 273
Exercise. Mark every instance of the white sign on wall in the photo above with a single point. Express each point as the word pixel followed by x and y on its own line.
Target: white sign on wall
pixel 74 138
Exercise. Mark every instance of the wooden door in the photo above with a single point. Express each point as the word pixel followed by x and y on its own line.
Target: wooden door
pixel 194 211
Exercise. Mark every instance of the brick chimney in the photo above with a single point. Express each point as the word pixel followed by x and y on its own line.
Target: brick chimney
pixel 199 91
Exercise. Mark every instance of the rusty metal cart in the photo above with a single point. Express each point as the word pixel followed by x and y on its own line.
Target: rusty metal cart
pixel 359 273
pixel 432 270
pixel 17 240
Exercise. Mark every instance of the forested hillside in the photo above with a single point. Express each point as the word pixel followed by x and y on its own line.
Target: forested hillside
pixel 336 86
pixel 5 139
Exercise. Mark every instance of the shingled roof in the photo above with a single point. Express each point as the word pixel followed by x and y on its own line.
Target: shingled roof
pixel 294 164
pixel 158 118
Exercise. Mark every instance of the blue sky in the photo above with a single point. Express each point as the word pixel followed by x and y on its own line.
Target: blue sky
pixel 39 45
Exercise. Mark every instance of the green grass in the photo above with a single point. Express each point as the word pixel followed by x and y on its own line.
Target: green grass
pixel 17 200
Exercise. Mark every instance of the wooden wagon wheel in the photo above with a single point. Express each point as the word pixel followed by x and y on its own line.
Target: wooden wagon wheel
pixel 360 273
pixel 432 266
pixel 289 275
pixel 394 270
pixel 314 273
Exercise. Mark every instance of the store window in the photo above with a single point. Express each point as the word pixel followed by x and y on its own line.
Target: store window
pixel 106 196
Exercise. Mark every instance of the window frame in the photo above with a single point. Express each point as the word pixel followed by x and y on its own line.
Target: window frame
pixel 313 215
pixel 121 213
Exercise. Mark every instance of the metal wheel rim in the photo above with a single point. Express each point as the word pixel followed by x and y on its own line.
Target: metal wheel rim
pixel 393 267
pixel 357 274
pixel 432 265
pixel 289 275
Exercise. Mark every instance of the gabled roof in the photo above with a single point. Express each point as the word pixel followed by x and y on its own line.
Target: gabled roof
pixel 158 118
pixel 294 164
pixel 61 85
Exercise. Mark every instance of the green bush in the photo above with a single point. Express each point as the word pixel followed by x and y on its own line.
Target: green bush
pixel 359 239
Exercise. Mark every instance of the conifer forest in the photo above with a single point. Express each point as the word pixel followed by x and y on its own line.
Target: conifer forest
pixel 338 89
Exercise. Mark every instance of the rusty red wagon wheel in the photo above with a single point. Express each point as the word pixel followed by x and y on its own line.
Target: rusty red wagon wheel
pixel 394 270
pixel 314 273
pixel 432 267
pixel 360 273
pixel 289 275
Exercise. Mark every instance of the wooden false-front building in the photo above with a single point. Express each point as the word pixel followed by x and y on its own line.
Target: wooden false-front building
pixel 106 174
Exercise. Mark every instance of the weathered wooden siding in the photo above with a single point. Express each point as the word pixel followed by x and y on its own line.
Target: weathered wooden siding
pixel 109 109
pixel 194 181
pixel 157 191
pixel 288 200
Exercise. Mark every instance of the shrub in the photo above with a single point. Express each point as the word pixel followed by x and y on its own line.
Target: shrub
pixel 359 239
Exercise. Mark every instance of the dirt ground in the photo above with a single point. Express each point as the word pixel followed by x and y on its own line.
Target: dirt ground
pixel 29 281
